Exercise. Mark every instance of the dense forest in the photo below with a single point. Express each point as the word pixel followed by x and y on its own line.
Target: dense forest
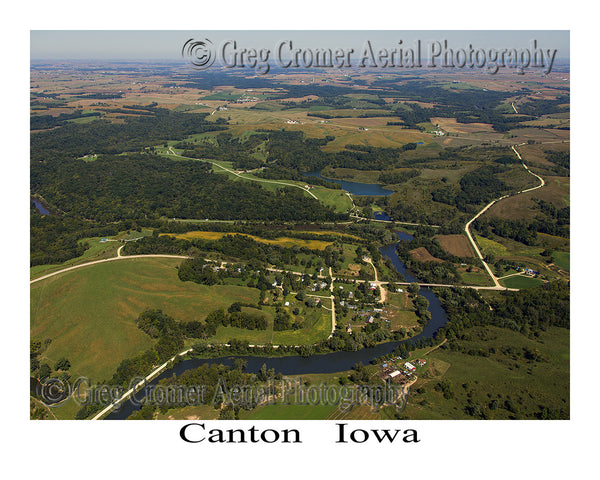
pixel 113 188
pixel 527 311
pixel 475 188
pixel 78 139
pixel 550 220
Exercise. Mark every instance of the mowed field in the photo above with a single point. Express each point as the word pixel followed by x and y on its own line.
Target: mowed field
pixel 281 241
pixel 457 245
pixel 90 313
pixel 521 281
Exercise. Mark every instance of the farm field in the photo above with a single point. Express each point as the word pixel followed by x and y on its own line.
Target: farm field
pixel 457 245
pixel 422 255
pixel 528 256
pixel 452 126
pixel 282 241
pixel 92 311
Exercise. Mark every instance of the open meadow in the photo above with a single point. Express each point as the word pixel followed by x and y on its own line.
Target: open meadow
pixel 89 314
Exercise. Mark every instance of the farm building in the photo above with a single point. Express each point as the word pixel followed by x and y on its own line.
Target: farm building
pixel 409 366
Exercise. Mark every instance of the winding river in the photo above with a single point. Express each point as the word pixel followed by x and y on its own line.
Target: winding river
pixel 297 365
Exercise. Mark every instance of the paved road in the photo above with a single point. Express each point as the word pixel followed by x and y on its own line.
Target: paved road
pixel 394 221
pixel 332 305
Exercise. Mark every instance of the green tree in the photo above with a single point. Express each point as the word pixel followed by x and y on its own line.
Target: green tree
pixel 414 288
pixel 44 372
pixel 62 364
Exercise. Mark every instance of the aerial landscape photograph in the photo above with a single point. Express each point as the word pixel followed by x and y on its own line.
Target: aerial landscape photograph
pixel 300 225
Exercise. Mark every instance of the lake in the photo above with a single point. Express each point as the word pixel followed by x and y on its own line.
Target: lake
pixel 40 207
pixel 382 216
pixel 355 188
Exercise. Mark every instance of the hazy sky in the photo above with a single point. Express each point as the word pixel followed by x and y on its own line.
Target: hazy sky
pixel 166 45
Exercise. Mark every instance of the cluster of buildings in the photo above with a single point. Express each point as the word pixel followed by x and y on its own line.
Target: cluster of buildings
pixel 397 373
pixel 529 271
pixel 246 99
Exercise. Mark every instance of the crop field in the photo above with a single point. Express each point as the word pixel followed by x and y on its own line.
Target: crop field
pixel 540 135
pixel 422 255
pixel 97 250
pixel 452 126
pixel 457 245
pixel 478 277
pixel 90 313
pixel 281 241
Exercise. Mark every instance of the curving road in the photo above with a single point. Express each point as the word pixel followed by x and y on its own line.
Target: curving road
pixel 475 247
pixel 139 385
pixel 112 259
pixel 245 178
